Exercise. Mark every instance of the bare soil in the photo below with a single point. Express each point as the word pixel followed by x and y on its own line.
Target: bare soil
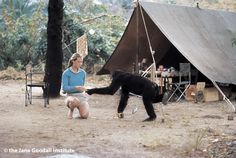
pixel 188 130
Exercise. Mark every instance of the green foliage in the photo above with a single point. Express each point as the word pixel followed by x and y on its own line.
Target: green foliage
pixel 102 28
pixel 17 8
pixel 23 35
pixel 20 35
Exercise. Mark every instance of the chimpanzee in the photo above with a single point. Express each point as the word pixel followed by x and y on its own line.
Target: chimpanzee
pixel 135 84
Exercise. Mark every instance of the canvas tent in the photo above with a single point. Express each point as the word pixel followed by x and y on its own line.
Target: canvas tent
pixel 177 34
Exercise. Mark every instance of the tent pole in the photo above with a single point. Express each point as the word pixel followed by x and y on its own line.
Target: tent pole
pixel 149 43
pixel 153 59
pixel 224 97
pixel 136 66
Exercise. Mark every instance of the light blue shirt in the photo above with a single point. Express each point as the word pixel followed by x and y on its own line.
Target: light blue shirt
pixel 71 79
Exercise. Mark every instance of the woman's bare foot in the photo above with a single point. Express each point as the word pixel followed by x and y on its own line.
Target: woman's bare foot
pixel 71 109
pixel 70 114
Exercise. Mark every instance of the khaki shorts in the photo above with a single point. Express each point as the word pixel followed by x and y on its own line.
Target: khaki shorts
pixel 82 97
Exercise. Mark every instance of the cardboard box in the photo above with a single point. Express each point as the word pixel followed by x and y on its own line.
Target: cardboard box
pixel 211 94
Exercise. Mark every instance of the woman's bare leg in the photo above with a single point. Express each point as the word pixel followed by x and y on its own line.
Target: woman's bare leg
pixel 70 103
pixel 83 107
pixel 83 110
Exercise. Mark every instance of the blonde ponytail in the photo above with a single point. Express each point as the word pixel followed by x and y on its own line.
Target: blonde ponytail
pixel 73 58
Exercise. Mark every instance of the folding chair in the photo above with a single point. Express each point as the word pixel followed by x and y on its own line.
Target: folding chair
pixel 33 79
pixel 179 88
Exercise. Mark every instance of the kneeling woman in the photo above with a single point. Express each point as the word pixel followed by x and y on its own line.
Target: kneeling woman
pixel 73 80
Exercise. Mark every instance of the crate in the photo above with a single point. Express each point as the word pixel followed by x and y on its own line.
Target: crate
pixel 211 94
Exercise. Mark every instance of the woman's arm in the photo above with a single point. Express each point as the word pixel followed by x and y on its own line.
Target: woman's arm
pixel 65 84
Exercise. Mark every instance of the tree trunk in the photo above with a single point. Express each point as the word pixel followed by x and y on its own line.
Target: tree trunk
pixel 54 54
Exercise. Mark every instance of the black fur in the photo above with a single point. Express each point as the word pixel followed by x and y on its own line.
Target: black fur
pixel 135 84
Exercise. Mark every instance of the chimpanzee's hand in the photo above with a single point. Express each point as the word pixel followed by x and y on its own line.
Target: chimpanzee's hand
pixel 89 91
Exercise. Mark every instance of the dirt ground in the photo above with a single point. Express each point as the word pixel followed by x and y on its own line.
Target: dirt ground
pixel 188 130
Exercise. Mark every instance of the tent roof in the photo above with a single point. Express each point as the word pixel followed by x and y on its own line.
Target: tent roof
pixel 203 37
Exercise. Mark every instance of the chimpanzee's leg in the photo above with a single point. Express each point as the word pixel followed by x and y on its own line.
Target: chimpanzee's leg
pixel 148 94
pixel 123 100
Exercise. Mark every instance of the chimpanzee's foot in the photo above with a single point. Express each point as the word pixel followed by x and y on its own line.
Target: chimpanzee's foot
pixel 120 115
pixel 149 119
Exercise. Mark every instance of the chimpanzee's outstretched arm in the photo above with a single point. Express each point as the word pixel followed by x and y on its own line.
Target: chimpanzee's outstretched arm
pixel 111 89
